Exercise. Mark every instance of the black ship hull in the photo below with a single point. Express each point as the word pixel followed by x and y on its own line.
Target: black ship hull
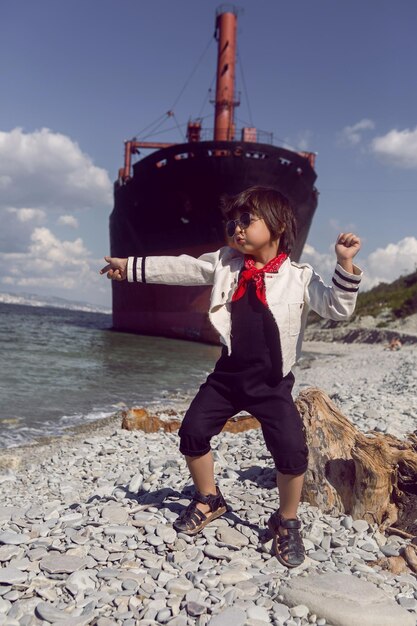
pixel 170 206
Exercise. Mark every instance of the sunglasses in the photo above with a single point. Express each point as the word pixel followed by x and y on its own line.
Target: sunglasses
pixel 244 221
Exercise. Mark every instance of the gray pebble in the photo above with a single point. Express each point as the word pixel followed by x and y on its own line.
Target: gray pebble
pixel 115 514
pixel 360 525
pixel 49 613
pixel 195 609
pixel 390 550
pixel 231 537
pixel 153 540
pixel 231 616
pixel 347 522
pixel 130 585
pixel 259 613
pixel 163 615
pixel 408 603
pixel 11 538
pixel 231 595
pixel 123 531
pixel 179 586
pixel 318 555
pixel 9 551
pixel 166 533
pixel 280 611
pixel 135 483
pixel 215 552
pixel 62 564
pixel 325 544
pixel 11 575
pixel 299 611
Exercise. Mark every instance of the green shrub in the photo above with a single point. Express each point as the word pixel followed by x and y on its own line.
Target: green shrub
pixel 400 297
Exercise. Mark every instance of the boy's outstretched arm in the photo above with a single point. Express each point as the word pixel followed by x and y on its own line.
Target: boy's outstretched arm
pixel 116 268
pixel 347 246
pixel 166 270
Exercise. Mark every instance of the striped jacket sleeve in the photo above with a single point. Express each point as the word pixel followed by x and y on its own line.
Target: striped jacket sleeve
pixel 338 300
pixel 173 270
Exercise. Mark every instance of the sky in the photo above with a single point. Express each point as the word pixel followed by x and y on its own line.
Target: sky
pixel 78 78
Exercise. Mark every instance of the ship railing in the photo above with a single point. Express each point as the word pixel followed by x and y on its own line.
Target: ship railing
pixel 299 163
pixel 259 136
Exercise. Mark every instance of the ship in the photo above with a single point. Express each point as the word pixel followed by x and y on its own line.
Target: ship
pixel 168 202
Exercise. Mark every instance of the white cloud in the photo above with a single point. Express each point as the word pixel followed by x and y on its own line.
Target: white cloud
pixel 323 263
pixel 381 265
pixel 353 134
pixel 387 264
pixel 27 215
pixel 345 227
pixel 16 227
pixel 44 174
pixel 301 141
pixel 68 220
pixel 45 179
pixel 397 147
pixel 47 170
pixel 50 262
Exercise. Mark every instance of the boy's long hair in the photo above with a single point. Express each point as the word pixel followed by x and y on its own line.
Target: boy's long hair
pixel 269 204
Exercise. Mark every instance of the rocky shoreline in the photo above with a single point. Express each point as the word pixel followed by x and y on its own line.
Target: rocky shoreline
pixel 367 329
pixel 86 522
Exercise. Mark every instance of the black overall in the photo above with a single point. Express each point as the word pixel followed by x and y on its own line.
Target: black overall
pixel 249 379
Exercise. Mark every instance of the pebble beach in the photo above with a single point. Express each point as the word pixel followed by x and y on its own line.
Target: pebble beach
pixel 86 531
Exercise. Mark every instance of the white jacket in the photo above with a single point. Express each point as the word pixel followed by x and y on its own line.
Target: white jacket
pixel 290 293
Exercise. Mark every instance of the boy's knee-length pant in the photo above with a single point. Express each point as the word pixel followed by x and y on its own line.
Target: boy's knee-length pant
pixel 217 401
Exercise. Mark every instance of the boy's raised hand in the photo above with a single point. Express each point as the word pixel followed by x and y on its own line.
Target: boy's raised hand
pixel 116 268
pixel 347 246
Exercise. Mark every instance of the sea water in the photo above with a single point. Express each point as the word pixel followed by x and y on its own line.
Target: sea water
pixel 61 367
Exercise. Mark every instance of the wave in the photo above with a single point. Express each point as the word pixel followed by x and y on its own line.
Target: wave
pixel 28 299
pixel 16 432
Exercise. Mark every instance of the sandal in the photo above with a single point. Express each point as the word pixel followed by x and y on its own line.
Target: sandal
pixel 289 548
pixel 191 520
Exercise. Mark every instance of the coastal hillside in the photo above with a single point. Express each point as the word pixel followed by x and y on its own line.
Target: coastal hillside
pixel 384 312
pixel 397 299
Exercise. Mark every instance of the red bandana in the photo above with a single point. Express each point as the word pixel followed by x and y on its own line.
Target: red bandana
pixel 257 275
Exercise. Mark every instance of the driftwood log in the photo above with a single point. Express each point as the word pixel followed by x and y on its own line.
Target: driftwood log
pixel 371 476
